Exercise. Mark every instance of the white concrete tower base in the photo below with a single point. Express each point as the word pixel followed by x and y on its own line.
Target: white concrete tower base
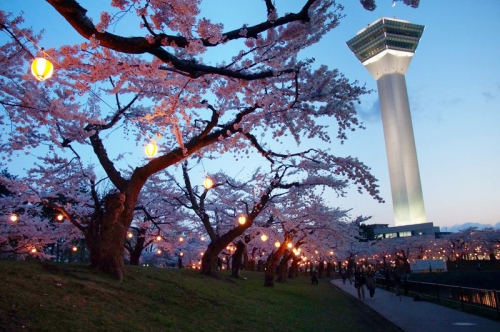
pixel 386 48
pixel 407 198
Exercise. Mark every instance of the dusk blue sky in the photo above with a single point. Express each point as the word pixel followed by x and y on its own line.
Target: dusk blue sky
pixel 453 86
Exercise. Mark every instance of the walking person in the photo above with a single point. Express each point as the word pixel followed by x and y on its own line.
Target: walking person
pixel 359 282
pixel 370 282
pixel 343 273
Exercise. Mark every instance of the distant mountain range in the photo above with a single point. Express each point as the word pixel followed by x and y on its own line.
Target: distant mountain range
pixel 457 228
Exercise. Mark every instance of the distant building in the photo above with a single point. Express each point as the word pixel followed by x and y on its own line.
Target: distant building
pixel 386 48
pixel 386 232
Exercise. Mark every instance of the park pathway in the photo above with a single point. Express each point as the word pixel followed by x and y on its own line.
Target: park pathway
pixel 420 316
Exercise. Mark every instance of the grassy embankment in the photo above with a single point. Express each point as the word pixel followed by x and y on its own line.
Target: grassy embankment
pixel 38 296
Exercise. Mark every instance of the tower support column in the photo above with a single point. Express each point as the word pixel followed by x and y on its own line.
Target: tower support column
pixel 386 48
pixel 406 189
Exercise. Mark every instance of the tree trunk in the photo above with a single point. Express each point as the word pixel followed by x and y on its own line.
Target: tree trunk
pixel 272 262
pixel 210 258
pixel 237 259
pixel 135 257
pixel 321 268
pixel 112 235
pixel 294 268
pixel 283 268
pixel 135 254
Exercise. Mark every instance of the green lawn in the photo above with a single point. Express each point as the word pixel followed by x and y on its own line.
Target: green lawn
pixel 38 296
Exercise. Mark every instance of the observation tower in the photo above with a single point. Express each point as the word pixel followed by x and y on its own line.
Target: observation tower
pixel 386 48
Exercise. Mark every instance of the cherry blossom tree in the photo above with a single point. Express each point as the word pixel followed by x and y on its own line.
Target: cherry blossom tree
pixel 471 243
pixel 155 84
pixel 490 240
pixel 281 204
pixel 157 222
pixel 31 221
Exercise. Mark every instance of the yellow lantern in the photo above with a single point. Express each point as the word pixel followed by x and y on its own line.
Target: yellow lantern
pixel 277 244
pixel 130 235
pixel 263 237
pixel 13 217
pixel 75 248
pixel 289 245
pixel 158 238
pixel 151 149
pixel 208 183
pixel 242 220
pixel 42 69
pixel 60 217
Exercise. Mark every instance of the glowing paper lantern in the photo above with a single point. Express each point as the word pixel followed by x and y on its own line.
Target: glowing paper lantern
pixel 289 245
pixel 75 248
pixel 60 218
pixel 42 69
pixel 208 183
pixel 263 237
pixel 277 244
pixel 151 149
pixel 13 217
pixel 242 220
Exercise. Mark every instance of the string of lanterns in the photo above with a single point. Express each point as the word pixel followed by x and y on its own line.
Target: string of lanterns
pixel 42 69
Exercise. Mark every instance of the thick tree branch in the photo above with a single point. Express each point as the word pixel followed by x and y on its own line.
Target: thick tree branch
pixel 198 208
pixel 109 167
pixel 76 15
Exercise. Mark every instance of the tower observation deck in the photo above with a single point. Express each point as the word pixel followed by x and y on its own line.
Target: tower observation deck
pixel 386 48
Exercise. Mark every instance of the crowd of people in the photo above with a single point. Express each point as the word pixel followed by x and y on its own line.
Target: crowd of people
pixel 365 278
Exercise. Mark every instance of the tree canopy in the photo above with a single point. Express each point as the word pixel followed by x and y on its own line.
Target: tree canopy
pixel 153 84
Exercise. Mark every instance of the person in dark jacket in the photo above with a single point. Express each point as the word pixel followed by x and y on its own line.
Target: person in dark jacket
pixel 359 282
pixel 370 282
